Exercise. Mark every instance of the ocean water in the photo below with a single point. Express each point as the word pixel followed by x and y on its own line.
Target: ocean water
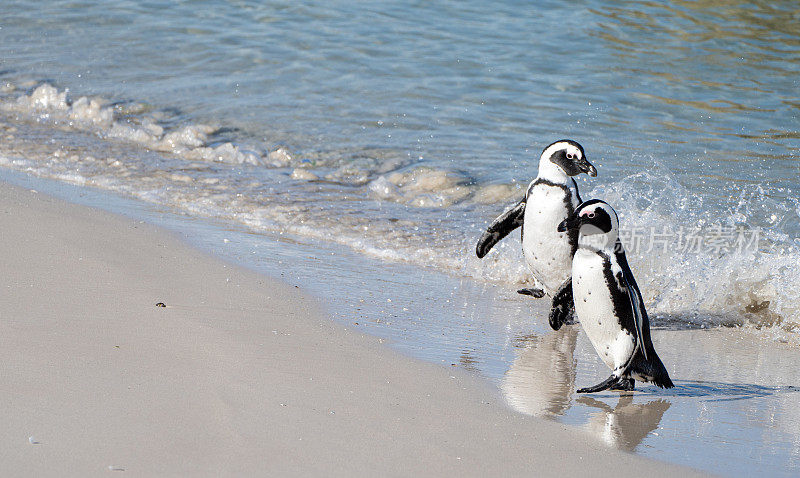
pixel 399 131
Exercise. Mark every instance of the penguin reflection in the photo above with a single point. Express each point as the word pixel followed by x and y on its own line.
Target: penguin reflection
pixel 541 379
pixel 627 424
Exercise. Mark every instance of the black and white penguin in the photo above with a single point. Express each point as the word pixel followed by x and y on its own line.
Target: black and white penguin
pixel 607 300
pixel 550 198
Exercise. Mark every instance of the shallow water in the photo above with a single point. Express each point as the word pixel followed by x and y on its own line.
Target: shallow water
pixel 398 132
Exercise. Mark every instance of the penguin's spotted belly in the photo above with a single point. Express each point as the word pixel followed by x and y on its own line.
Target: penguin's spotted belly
pixel 595 308
pixel 547 251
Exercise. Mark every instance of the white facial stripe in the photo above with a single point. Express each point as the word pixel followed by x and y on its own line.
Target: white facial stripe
pixel 572 150
pixel 558 147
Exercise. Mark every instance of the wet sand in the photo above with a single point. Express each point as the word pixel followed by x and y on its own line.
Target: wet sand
pixel 237 375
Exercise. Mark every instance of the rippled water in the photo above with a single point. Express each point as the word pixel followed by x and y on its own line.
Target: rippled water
pixel 463 84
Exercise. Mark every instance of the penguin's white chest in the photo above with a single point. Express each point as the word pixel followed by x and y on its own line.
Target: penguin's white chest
pixel 547 251
pixel 594 307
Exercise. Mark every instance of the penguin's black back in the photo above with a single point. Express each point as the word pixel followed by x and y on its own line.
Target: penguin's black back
pixel 650 368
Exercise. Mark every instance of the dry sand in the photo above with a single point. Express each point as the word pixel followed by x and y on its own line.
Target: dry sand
pixel 238 376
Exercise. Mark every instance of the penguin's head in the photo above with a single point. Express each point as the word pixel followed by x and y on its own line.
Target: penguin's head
pixel 596 222
pixel 568 156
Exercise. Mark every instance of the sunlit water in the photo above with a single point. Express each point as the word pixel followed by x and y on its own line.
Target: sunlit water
pixel 399 131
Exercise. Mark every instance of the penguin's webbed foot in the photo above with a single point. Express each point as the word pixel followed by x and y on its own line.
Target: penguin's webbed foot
pixel 624 384
pixel 536 293
pixel 610 383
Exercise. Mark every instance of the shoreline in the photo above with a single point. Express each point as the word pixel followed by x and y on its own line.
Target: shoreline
pixel 238 374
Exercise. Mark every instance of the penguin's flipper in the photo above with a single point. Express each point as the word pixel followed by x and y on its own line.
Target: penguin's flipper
pixel 500 228
pixel 563 307
pixel 604 385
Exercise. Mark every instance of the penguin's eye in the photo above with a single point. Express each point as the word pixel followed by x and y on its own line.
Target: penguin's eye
pixel 590 215
pixel 570 156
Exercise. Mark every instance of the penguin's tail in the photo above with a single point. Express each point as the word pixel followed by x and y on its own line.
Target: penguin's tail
pixel 658 372
pixel 663 380
pixel 651 369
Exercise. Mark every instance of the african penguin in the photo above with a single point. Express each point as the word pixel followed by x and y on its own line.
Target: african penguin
pixel 550 199
pixel 607 301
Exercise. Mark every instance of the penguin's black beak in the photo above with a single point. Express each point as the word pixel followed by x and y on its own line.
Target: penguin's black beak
pixel 587 167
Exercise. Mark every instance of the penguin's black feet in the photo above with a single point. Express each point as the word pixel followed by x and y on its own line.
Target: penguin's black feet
pixel 624 384
pixel 604 385
pixel 536 293
pixel 620 384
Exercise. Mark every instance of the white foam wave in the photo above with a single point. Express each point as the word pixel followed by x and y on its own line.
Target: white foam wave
pixel 755 282
pixel 48 104
pixel 431 187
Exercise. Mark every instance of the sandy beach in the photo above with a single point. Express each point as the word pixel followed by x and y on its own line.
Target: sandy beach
pixel 237 375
